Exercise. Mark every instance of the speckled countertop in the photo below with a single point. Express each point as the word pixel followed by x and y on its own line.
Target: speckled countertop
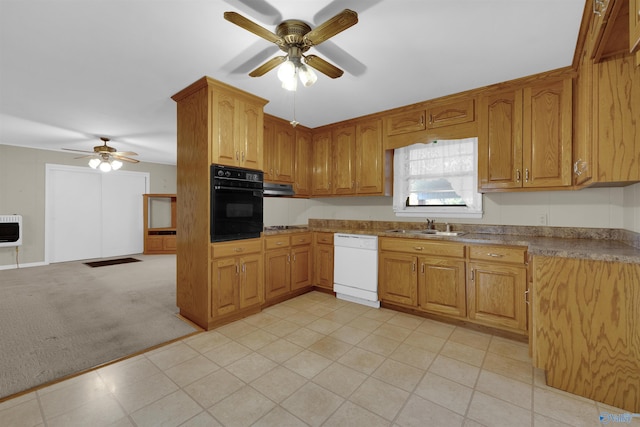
pixel 584 243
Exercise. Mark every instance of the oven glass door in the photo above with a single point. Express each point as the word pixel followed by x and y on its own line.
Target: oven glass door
pixel 236 213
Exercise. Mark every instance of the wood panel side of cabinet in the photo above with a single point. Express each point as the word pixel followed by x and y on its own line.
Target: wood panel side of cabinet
pixel 617 124
pixel 586 316
pixel 192 207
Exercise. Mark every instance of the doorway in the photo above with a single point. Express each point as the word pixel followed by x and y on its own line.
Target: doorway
pixel 91 214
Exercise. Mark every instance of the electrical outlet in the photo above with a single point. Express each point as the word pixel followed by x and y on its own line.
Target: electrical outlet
pixel 542 219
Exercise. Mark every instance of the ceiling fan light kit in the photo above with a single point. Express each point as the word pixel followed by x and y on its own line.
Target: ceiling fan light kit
pixel 106 158
pixel 295 37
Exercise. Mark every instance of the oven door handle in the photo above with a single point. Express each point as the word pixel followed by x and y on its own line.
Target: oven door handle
pixel 236 189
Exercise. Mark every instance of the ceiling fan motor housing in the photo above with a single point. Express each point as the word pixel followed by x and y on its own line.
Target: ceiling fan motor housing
pixel 293 32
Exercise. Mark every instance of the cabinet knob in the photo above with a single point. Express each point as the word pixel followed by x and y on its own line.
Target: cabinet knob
pixel 495 255
pixel 418 248
pixel 238 249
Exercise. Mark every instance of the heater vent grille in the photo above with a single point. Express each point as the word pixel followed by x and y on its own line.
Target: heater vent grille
pixel 10 230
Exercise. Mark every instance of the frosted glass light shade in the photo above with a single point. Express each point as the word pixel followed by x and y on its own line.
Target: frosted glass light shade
pixel 307 76
pixel 93 163
pixel 105 167
pixel 116 164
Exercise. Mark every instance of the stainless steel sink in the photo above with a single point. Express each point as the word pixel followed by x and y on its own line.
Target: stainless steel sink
pixel 428 232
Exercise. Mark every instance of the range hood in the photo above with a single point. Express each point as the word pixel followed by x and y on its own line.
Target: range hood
pixel 272 189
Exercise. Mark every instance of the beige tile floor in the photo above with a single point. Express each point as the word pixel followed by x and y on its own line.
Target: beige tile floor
pixel 315 360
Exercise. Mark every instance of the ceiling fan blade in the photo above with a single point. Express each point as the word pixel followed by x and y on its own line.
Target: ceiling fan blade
pixel 126 159
pixel 323 66
pixel 258 9
pixel 330 28
pixel 337 5
pixel 79 151
pixel 124 153
pixel 251 26
pixel 268 66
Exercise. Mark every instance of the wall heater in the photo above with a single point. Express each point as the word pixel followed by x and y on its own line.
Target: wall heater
pixel 10 230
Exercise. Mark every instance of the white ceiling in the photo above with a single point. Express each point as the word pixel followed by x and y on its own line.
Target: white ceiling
pixel 74 70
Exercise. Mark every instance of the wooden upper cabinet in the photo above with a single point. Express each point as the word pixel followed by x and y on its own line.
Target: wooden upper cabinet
pixel 321 164
pixel 370 166
pixel 609 33
pixel 451 113
pixel 406 122
pixel 547 135
pixel 303 165
pixel 343 142
pixel 237 130
pixel 500 141
pixel 634 26
pixel 525 137
pixel 279 150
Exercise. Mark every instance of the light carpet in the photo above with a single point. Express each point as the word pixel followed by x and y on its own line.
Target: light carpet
pixel 64 318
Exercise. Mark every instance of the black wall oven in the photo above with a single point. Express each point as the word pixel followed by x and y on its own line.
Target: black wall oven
pixel 236 203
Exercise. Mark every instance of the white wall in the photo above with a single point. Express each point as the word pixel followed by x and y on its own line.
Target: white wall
pixel 590 207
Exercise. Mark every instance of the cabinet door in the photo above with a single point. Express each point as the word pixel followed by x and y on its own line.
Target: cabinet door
pixel 224 130
pixel 450 114
pixel 398 279
pixel 406 122
pixel 634 26
pixel 250 136
pixel 441 286
pixel 323 266
pixel 496 295
pixel 370 157
pixel 548 134
pixel 344 153
pixel 322 167
pixel 224 286
pixel 277 279
pixel 285 145
pixel 251 290
pixel 269 148
pixel 500 141
pixel 300 267
pixel 302 181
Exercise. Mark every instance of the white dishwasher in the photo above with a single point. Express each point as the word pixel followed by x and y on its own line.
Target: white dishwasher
pixel 355 268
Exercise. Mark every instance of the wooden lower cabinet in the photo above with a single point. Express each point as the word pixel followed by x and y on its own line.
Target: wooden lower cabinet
pixel 585 332
pixel 323 260
pixel 483 284
pixel 398 279
pixel 287 264
pixel 236 280
pixel 441 286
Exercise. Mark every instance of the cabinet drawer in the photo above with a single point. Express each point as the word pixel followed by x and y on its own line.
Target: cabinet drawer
pixel 300 239
pixel 324 238
pixel 514 254
pixel 275 242
pixel 423 247
pixel 237 247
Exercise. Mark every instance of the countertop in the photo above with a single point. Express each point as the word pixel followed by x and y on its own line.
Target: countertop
pixel 593 244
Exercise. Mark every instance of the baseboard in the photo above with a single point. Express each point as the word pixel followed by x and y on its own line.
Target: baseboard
pixel 30 264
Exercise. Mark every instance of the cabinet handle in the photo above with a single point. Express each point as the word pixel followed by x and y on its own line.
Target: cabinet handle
pixel 526 296
pixel 526 175
pixel 237 269
pixel 238 249
pixel 518 175
pixel 495 255
pixel 422 268
pixel 243 156
pixel 288 258
pixel 421 119
pixel 473 275
pixel 579 167
pixel 413 267
pixel 279 243
pixel 237 155
pixel 599 7
pixel 418 248
pixel 430 119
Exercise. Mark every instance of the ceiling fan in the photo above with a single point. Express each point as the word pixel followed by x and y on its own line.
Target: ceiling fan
pixel 295 38
pixel 105 157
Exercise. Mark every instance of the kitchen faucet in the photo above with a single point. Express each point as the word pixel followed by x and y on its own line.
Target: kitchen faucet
pixel 431 224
